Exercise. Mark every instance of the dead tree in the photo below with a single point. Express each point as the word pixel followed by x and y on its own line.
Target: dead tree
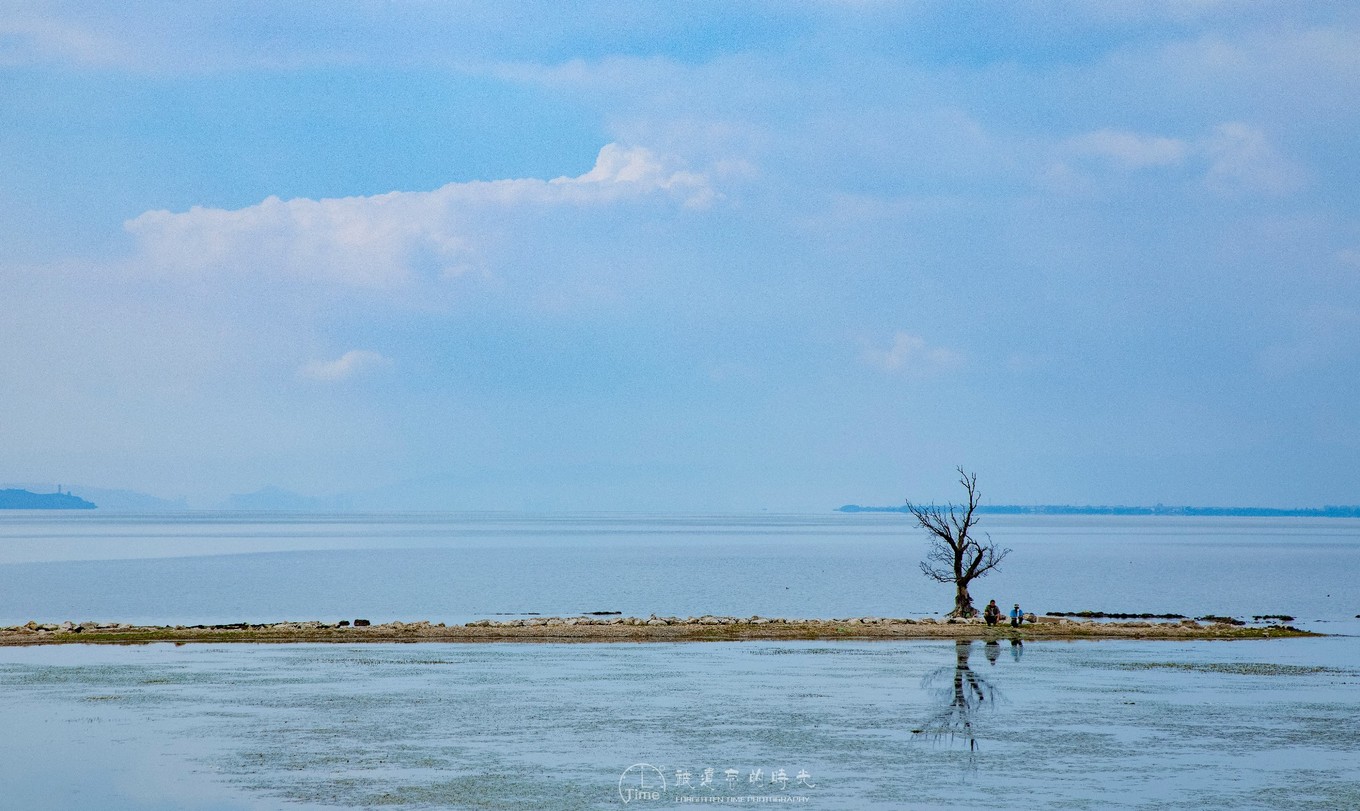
pixel 955 555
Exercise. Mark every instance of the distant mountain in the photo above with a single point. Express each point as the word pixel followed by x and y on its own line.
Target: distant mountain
pixel 126 501
pixel 25 500
pixel 276 499
pixel 1159 509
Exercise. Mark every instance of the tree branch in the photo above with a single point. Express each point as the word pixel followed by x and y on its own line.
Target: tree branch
pixel 953 555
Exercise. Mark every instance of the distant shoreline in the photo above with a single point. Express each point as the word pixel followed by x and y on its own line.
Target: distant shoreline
pixel 630 629
pixel 26 500
pixel 1209 512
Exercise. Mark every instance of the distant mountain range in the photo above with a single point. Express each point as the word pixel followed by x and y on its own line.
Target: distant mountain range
pixel 1159 509
pixel 419 495
pixel 25 500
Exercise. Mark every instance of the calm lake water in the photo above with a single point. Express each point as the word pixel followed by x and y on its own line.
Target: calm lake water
pixel 1266 724
pixel 217 568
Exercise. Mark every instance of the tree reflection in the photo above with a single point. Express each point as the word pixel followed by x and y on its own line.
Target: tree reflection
pixel 965 692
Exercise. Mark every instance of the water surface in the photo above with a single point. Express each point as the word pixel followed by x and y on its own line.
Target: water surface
pixel 222 567
pixel 1255 724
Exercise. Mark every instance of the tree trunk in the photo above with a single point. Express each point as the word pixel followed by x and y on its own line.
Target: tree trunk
pixel 963 602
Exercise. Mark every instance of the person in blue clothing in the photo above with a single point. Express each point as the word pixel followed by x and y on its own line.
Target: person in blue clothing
pixel 1017 616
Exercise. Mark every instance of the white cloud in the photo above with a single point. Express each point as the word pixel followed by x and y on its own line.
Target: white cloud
pixel 1131 150
pixel 1233 159
pixel 348 365
pixel 1242 159
pixel 40 38
pixel 910 354
pixel 625 172
pixel 387 239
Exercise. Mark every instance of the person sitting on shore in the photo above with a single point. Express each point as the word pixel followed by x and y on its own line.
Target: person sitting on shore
pixel 992 613
pixel 1017 616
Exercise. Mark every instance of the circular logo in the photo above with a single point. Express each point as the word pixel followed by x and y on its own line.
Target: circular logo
pixel 641 782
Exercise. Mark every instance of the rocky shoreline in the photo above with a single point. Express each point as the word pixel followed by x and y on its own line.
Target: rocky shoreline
pixel 633 629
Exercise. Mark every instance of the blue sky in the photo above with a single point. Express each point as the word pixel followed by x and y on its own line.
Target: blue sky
pixel 683 256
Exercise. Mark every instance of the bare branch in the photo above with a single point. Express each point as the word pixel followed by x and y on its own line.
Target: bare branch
pixel 938 575
pixel 954 555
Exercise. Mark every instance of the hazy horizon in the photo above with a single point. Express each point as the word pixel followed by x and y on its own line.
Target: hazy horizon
pixel 416 499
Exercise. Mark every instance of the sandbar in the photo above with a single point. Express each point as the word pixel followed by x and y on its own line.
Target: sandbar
pixel 633 629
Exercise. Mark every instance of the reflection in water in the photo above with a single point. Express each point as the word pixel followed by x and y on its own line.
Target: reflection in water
pixel 1017 649
pixel 965 691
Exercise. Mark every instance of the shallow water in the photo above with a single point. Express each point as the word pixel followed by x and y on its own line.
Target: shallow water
pixel 1253 724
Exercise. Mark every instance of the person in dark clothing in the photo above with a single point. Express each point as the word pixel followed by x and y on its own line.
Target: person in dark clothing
pixel 992 613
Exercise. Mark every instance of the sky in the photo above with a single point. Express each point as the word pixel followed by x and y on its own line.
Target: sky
pixel 683 256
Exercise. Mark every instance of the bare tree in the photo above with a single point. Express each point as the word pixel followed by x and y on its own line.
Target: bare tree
pixel 955 555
